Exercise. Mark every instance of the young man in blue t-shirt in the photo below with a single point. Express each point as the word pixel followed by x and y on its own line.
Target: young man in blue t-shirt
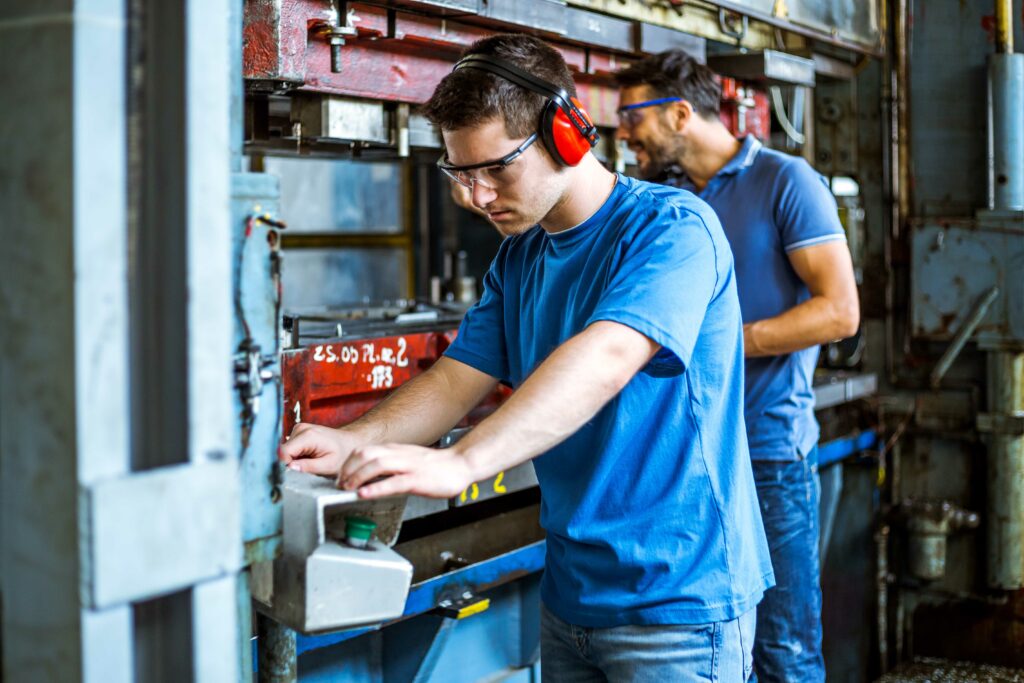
pixel 611 309
pixel 797 291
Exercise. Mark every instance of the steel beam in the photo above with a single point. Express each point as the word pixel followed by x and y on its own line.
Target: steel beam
pixel 63 349
pixel 68 312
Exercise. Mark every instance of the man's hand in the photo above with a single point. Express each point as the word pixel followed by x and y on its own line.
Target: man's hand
pixel 431 472
pixel 318 450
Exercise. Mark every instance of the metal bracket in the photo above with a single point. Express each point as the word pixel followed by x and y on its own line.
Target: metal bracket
pixel 962 336
pixel 466 605
pixel 321 584
pixel 999 423
pixel 252 371
pixel 158 531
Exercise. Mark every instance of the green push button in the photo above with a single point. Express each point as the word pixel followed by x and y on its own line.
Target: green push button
pixel 358 531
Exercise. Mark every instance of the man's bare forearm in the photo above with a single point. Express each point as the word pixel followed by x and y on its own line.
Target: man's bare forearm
pixel 818 320
pixel 562 394
pixel 426 408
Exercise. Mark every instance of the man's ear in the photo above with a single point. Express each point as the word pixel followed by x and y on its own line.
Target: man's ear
pixel 680 114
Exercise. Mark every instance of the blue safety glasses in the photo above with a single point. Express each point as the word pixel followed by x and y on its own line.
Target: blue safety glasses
pixel 630 114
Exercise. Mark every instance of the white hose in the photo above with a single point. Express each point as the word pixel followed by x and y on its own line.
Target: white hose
pixel 780 113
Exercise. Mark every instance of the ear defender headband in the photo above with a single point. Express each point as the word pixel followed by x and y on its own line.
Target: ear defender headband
pixel 565 128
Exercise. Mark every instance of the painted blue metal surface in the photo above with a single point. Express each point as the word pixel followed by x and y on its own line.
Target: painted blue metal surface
pixel 950 46
pixel 425 596
pixel 257 313
pixel 1006 78
pixel 955 264
pixel 501 643
pixel 836 450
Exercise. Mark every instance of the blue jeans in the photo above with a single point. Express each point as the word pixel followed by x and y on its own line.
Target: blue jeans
pixel 831 477
pixel 683 653
pixel 788 643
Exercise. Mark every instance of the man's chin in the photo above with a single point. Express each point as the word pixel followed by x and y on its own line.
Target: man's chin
pixel 650 172
pixel 511 229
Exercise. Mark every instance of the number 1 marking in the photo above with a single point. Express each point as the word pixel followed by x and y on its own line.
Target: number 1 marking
pixel 298 412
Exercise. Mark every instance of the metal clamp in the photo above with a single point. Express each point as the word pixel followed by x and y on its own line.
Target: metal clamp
pixel 723 25
pixel 252 371
pixel 465 605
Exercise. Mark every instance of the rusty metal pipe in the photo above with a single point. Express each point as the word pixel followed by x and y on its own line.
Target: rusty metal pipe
pixel 1004 26
pixel 902 30
pixel 1006 471
pixel 277 654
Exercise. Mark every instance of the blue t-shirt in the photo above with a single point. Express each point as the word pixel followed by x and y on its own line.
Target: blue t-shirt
pixel 771 204
pixel 650 508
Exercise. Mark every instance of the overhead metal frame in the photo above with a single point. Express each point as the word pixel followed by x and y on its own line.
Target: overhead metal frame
pixel 757 30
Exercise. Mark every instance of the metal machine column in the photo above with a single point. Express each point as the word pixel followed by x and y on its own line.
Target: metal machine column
pixel 63 330
pixel 120 548
pixel 1006 470
pixel 1005 361
pixel 1006 133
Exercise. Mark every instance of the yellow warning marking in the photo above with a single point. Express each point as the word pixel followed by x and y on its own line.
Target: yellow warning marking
pixel 475 608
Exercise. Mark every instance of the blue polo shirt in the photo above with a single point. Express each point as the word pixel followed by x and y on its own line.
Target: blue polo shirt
pixel 650 508
pixel 772 204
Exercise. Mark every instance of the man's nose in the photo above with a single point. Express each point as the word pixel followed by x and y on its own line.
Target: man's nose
pixel 483 195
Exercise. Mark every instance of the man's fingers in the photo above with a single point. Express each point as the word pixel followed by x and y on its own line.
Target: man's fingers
pixel 299 428
pixel 305 452
pixel 392 486
pixel 360 457
pixel 297 446
pixel 322 466
pixel 373 467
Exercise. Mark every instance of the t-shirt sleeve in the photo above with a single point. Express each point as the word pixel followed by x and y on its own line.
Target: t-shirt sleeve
pixel 805 210
pixel 662 286
pixel 480 343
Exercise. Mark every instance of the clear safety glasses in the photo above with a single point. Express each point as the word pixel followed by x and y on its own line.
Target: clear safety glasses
pixel 490 174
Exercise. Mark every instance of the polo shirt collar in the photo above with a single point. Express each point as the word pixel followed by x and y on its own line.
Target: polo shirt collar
pixel 744 158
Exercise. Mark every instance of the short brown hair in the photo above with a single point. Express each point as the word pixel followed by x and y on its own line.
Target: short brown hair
pixel 674 73
pixel 468 97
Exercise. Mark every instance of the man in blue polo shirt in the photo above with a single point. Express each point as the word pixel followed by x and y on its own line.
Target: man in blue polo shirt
pixel 797 291
pixel 611 309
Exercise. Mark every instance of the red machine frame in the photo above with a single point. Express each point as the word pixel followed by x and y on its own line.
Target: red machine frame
pixel 337 381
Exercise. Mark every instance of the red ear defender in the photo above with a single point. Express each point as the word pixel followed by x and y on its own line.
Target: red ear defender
pixel 561 137
pixel 565 129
